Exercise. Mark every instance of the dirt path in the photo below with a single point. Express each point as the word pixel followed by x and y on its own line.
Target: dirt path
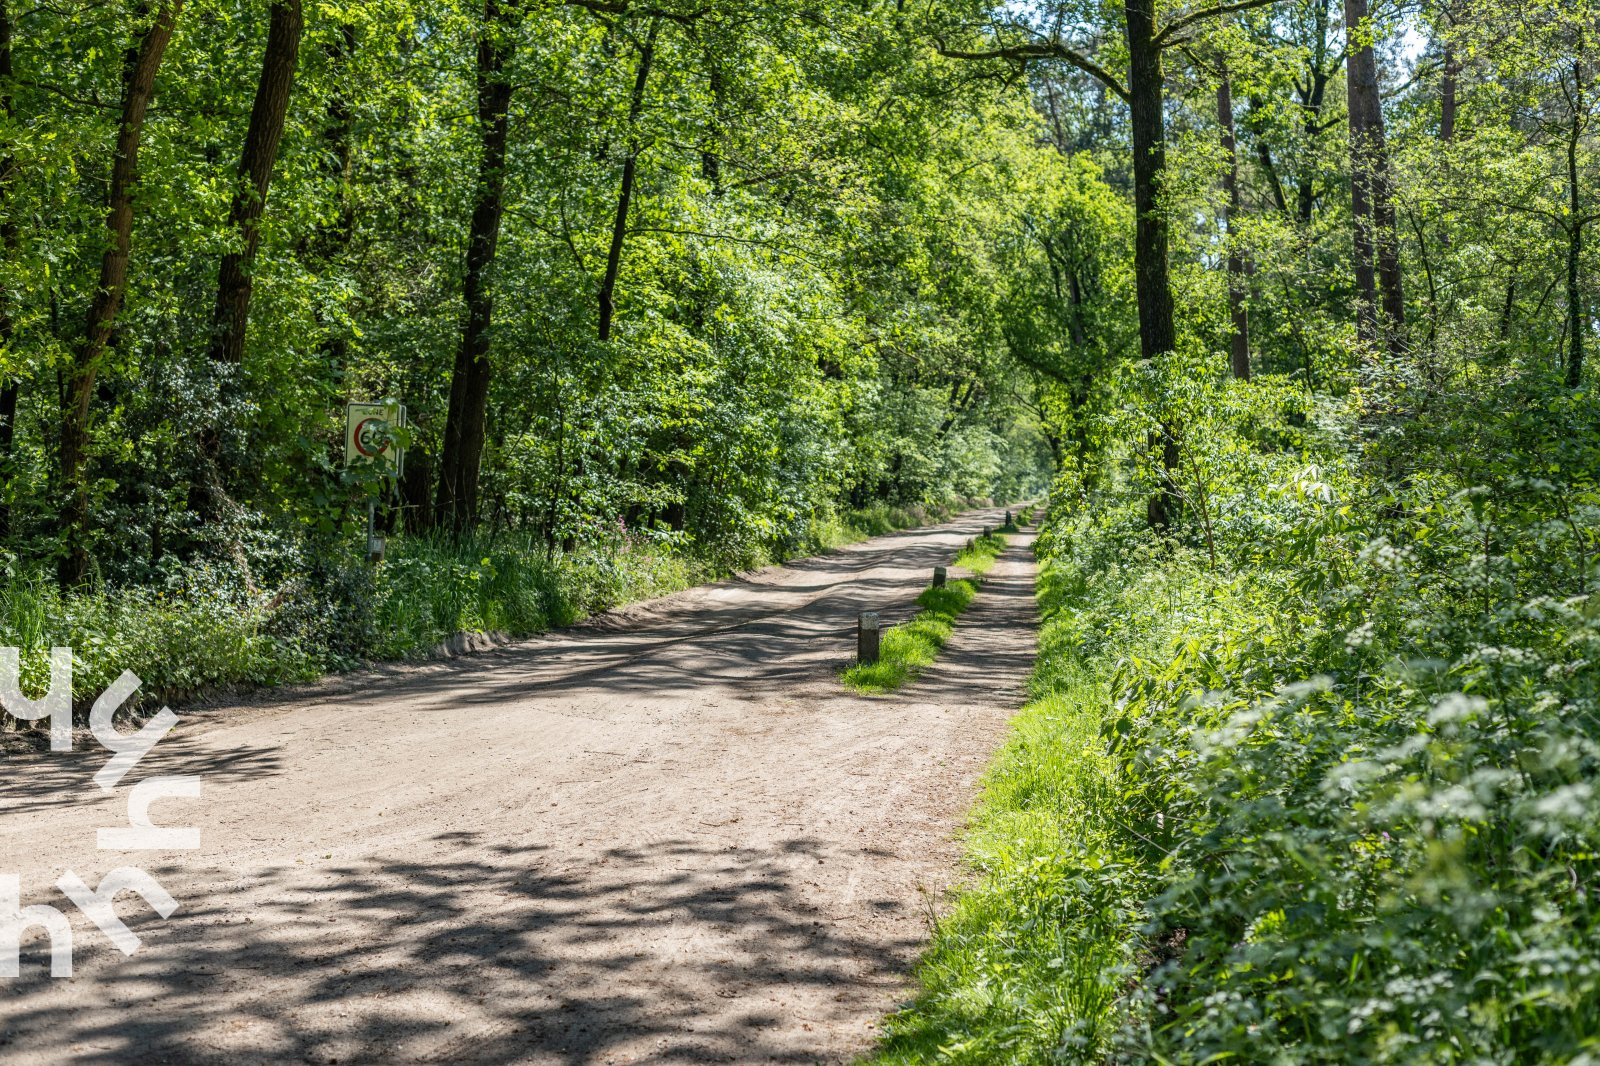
pixel 669 837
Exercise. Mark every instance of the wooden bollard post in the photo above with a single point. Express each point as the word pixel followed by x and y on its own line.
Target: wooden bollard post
pixel 1008 518
pixel 938 577
pixel 867 638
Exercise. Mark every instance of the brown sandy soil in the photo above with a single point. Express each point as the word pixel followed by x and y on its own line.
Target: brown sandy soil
pixel 670 836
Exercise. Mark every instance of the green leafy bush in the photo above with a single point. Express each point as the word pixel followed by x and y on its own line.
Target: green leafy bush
pixel 1320 795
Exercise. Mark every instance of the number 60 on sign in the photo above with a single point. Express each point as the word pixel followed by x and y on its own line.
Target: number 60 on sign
pixel 375 433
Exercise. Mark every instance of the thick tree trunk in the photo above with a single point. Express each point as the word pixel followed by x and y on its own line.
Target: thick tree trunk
pixel 619 225
pixel 1239 346
pixel 1377 247
pixel 461 457
pixel 234 285
pixel 235 282
pixel 138 83
pixel 1152 280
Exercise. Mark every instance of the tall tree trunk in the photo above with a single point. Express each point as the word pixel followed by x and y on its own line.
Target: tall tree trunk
pixel 461 456
pixel 1578 321
pixel 1239 348
pixel 1152 280
pixel 1382 312
pixel 138 84
pixel 619 225
pixel 1151 275
pixel 9 236
pixel 235 282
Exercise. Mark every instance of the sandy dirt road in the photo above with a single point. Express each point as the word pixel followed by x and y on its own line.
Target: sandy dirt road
pixel 670 836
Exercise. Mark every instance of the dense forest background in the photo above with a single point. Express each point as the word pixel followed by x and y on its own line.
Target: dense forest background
pixel 714 274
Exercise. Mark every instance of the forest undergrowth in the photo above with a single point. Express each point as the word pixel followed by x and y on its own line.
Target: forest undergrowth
pixel 1316 786
pixel 299 614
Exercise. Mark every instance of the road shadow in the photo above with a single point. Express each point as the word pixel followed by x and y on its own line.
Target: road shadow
pixel 34 784
pixel 500 956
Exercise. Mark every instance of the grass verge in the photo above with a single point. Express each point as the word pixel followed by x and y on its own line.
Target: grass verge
pixel 979 557
pixel 910 648
pixel 1029 963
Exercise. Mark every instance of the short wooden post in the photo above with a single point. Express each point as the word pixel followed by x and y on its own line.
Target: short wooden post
pixel 867 638
pixel 938 577
pixel 1008 518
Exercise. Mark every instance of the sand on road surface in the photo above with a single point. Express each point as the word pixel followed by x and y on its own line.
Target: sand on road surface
pixel 669 836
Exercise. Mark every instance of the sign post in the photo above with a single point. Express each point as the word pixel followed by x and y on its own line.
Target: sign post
pixel 375 436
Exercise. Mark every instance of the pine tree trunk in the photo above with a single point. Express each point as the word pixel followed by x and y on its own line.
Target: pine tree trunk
pixel 141 63
pixel 461 457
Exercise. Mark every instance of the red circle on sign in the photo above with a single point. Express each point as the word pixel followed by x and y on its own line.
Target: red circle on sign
pixel 361 427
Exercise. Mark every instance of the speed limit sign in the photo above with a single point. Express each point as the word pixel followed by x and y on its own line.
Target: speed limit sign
pixel 375 433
